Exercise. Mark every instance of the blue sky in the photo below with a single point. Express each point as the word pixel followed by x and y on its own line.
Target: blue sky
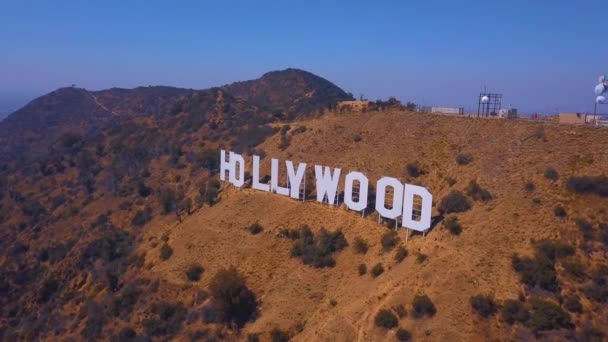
pixel 542 55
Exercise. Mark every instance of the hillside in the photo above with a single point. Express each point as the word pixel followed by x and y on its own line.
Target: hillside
pixel 296 297
pixel 127 232
pixel 27 133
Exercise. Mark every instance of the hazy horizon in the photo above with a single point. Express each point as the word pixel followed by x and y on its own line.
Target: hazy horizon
pixel 541 57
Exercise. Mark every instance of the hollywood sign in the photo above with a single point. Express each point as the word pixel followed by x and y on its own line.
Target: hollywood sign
pixel 410 204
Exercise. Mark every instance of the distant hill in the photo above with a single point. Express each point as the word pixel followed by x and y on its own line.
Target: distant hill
pixel 28 132
pixel 289 93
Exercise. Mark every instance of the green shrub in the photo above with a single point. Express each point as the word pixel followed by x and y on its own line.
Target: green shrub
pixel 553 249
pixel 169 320
pixel 318 252
pixel 529 186
pixel 414 170
pixel 573 304
pixel 589 185
pixel 485 306
pixel 537 271
pixel 377 270
pixel 596 292
pixel 389 240
pixel 400 254
pixel 513 311
pixel 194 271
pixel 476 192
pixel 454 202
pixel 233 300
pixel 420 257
pixel 255 228
pixel 362 269
pixel 452 224
pixel 403 335
pixel 575 268
pixel 423 306
pixel 546 315
pixel 585 227
pixel 126 334
pixel 360 246
pixel 142 217
pixel 125 301
pixel 551 174
pixel 278 335
pixel 386 319
pixel 165 252
pixel 463 158
pixel 559 211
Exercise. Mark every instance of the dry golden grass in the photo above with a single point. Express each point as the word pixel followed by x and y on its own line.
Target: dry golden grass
pixel 295 297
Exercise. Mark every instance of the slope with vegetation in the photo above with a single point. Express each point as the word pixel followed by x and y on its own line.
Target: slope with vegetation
pixel 128 233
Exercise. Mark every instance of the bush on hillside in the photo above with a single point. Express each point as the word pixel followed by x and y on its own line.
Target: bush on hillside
pixel 389 240
pixel 255 228
pixel 278 335
pixel 573 304
pixel 377 270
pixel 386 319
pixel 400 254
pixel 194 271
pixel 553 249
pixel 123 303
pixel 362 269
pixel 403 335
pixel 454 202
pixel 529 186
pixel 233 300
pixel 317 252
pixel 574 268
pixel 585 228
pixel 484 305
pixel 452 224
pixel 476 192
pixel 545 315
pixel 538 271
pixel 423 306
pixel 360 246
pixel 463 158
pixel 165 252
pixel 589 185
pixel 559 211
pixel 551 174
pixel 514 311
pixel 142 217
pixel 414 170
pixel 168 321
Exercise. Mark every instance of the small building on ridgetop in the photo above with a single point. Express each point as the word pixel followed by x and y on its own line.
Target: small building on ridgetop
pixel 355 106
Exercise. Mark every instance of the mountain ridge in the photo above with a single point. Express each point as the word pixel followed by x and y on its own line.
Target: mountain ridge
pixel 43 119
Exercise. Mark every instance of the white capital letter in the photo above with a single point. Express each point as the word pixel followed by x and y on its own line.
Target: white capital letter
pixel 256 176
pixel 234 160
pixel 274 180
pixel 395 211
pixel 295 178
pixel 225 166
pixel 327 184
pixel 348 191
pixel 408 208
